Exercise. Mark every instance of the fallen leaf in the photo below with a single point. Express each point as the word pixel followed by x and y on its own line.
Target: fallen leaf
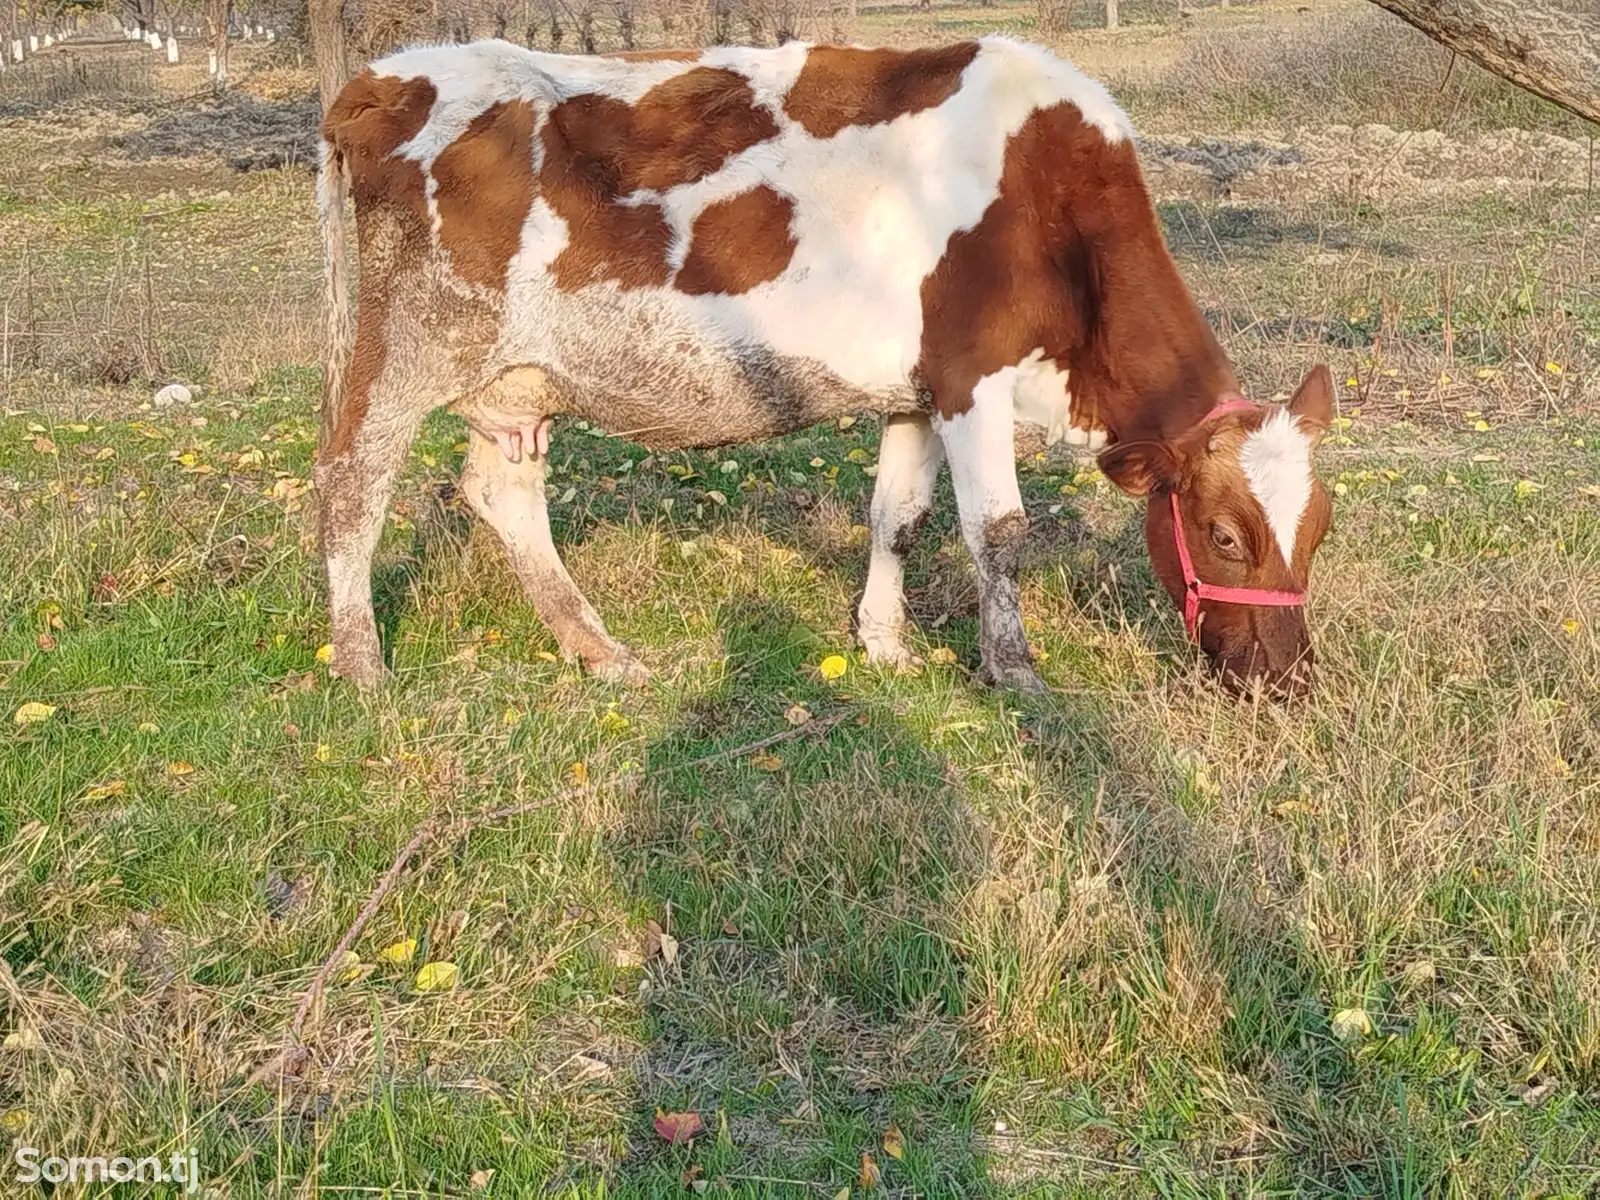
pixel 325 654
pixel 44 445
pixel 679 1128
pixel 1351 1024
pixel 1419 974
pixel 436 977
pixel 669 949
pixel 766 762
pixel 147 727
pixel 842 1194
pixel 893 1142
pixel 399 952
pixel 102 791
pixel 511 715
pixel 479 1180
pixel 24 1037
pixel 611 721
pixel 14 1120
pixel 33 712
pixel 1570 625
pixel 178 767
pixel 869 1175
pixel 797 714
pixel 45 642
pixel 323 752
pixel 942 655
pixel 833 666
pixel 579 772
pixel 348 968
pixel 690 1175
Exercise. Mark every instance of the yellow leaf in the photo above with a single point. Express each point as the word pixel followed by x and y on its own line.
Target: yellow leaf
pixel 325 654
pixel 942 655
pixel 24 1037
pixel 1350 1024
pixel 545 655
pixel 114 787
pixel 147 727
pixel 579 771
pixel 323 752
pixel 348 969
pixel 818 462
pixel 766 762
pixel 14 1120
pixel 1352 382
pixel 1570 625
pixel 1481 426
pixel 1419 974
pixel 1553 367
pixel 33 712
pixel 178 767
pixel 611 721
pixel 894 1142
pixel 436 977
pixel 399 952
pixel 869 1175
pixel 842 1194
pixel 104 453
pixel 797 714
pixel 833 666
pixel 511 715
pixel 78 428
pixel 846 421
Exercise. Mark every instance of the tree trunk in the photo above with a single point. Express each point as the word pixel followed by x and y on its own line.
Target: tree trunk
pixel 327 47
pixel 218 13
pixel 1111 14
pixel 1546 46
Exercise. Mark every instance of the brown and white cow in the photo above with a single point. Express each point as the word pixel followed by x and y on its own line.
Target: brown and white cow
pixel 694 250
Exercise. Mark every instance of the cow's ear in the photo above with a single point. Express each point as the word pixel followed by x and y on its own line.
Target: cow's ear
pixel 1312 402
pixel 1140 468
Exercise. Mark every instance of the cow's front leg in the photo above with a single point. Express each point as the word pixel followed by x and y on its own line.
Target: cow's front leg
pixel 983 468
pixel 509 496
pixel 908 466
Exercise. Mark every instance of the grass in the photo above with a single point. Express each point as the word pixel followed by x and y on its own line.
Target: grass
pixel 1133 937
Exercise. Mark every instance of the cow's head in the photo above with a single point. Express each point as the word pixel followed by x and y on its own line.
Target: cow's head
pixel 1252 514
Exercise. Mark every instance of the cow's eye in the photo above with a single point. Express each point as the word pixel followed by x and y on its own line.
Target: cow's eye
pixel 1225 542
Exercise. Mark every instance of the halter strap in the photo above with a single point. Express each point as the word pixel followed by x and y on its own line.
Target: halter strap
pixel 1194 588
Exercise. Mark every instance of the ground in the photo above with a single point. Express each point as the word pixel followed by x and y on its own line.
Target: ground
pixel 1134 935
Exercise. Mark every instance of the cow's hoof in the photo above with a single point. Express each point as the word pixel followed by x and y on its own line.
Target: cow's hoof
pixel 621 667
pixel 1014 677
pixel 886 649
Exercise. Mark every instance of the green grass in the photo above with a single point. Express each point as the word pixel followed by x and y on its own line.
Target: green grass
pixel 1091 942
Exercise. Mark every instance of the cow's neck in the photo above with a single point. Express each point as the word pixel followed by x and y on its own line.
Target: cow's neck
pixel 1146 360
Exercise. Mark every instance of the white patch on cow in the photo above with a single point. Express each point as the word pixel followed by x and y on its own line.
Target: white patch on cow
pixel 1276 461
pixel 771 72
pixel 1042 398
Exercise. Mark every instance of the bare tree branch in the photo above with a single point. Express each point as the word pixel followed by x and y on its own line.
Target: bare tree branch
pixel 1550 47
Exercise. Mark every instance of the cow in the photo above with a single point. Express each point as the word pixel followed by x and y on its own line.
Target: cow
pixel 701 248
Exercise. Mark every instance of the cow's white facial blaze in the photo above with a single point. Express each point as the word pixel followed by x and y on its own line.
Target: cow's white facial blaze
pixel 1276 461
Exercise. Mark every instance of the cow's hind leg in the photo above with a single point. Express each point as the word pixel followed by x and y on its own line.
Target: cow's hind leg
pixel 509 496
pixel 908 466
pixel 983 468
pixel 360 456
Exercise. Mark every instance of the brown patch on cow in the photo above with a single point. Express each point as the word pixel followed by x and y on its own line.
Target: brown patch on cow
pixel 844 85
pixel 1069 257
pixel 599 150
pixel 738 243
pixel 483 189
pixel 372 118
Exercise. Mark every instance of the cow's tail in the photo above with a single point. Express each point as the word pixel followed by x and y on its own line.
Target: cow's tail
pixel 333 190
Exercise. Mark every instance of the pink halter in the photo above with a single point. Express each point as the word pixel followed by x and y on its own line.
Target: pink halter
pixel 1194 588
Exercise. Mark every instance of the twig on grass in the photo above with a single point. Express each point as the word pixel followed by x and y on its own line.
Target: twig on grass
pixel 433 828
pixel 814 726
